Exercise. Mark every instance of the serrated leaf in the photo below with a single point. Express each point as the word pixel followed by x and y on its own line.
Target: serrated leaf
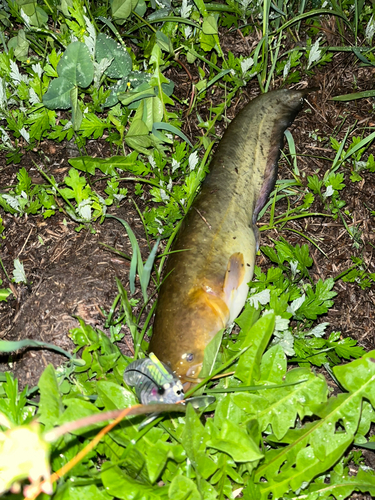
pixel 347 348
pixel 108 165
pixel 319 444
pixel 235 441
pixel 24 181
pixel 359 375
pixel 19 274
pixel 92 125
pixel 290 401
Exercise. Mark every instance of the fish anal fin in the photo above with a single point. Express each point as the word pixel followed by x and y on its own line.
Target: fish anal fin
pixel 235 274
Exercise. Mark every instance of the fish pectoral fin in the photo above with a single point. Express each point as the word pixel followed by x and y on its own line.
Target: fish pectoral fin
pixel 234 275
pixel 206 297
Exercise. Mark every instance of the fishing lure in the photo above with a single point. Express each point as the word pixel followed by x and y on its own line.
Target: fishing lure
pixel 153 381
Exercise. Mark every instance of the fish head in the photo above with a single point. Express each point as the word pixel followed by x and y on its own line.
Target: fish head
pixel 189 365
pixel 204 314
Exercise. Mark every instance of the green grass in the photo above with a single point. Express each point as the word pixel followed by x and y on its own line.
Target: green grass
pixel 276 430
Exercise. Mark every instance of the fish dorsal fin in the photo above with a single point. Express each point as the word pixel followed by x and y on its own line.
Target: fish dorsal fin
pixel 234 275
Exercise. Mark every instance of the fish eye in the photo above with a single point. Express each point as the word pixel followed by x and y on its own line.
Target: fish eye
pixel 189 357
pixel 161 390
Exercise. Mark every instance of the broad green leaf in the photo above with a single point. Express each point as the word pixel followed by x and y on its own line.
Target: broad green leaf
pixel 115 396
pixel 318 445
pixel 76 66
pixel 227 409
pixel 107 48
pixel 84 335
pixel 341 485
pixel 4 294
pixel 248 317
pixel 210 353
pixel 121 9
pixel 138 136
pixel 273 365
pixel 307 466
pixel 76 409
pixel 258 336
pixel 20 45
pixel 58 94
pixel 290 401
pixel 78 492
pixel 359 376
pixel 183 488
pixel 207 42
pixel 109 165
pixel 194 439
pixel 50 405
pixel 118 484
pixel 164 42
pixel 234 440
pixel 209 26
pixel 153 111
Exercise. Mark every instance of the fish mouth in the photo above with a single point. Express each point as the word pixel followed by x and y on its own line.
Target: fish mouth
pixel 190 382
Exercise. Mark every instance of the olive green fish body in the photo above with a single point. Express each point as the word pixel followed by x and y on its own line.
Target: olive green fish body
pixel 206 283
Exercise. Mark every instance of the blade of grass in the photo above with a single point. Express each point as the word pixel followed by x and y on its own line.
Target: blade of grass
pixel 146 272
pixel 136 258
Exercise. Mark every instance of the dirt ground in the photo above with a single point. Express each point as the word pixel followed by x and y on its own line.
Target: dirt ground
pixel 72 274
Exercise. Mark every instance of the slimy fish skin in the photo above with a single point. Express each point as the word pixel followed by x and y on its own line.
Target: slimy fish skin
pixel 153 381
pixel 206 284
